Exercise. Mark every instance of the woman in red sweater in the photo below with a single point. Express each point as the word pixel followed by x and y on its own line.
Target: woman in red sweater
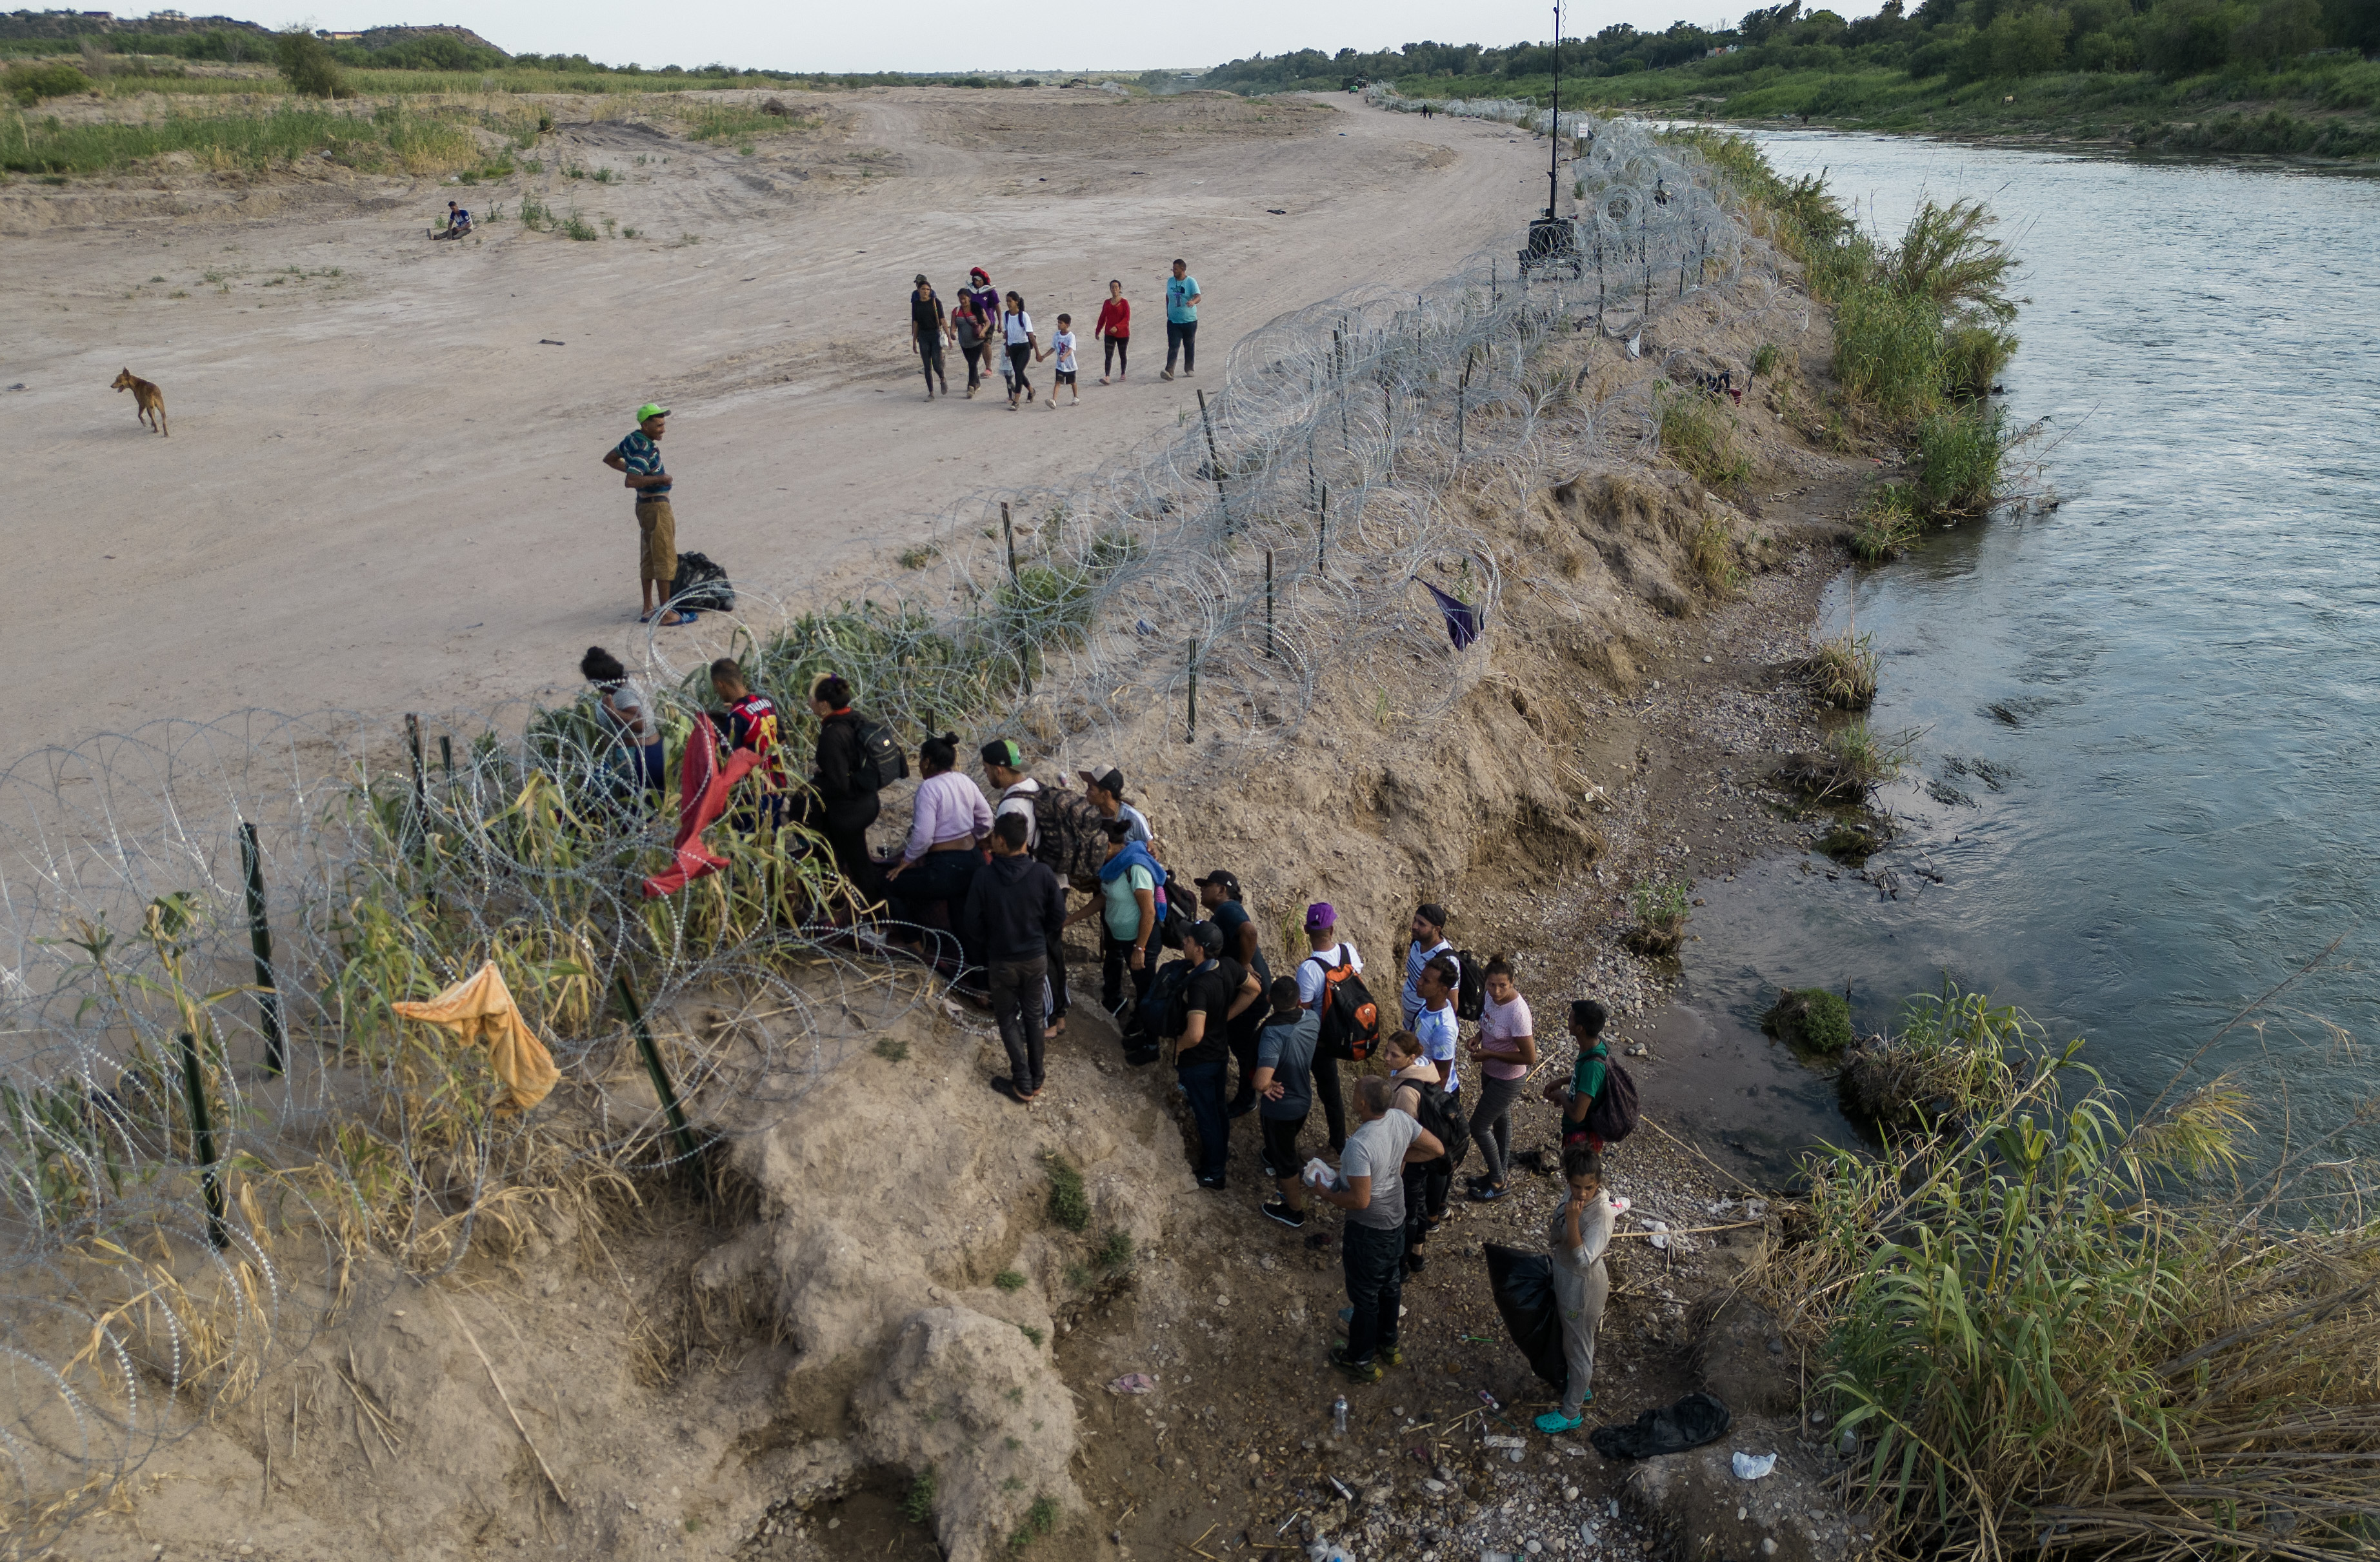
pixel 1115 328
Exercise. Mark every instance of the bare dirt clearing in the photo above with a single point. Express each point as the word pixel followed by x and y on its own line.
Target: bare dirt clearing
pixel 381 490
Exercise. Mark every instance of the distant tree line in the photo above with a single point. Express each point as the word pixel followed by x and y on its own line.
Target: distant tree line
pixel 1963 40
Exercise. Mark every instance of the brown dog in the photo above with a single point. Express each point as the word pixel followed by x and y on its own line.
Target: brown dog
pixel 146 397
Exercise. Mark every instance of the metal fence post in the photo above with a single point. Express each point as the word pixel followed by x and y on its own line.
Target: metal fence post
pixel 260 942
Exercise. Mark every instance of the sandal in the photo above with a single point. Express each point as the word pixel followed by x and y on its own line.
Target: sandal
pixel 1489 1194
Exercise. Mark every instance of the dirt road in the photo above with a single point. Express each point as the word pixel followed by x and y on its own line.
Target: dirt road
pixel 381 490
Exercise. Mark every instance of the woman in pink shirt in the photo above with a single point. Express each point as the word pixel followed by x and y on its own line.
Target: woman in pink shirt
pixel 947 826
pixel 1506 1049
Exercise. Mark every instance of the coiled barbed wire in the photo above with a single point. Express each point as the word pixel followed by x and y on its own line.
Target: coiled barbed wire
pixel 199 1137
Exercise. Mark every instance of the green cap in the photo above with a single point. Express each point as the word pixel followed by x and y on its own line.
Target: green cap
pixel 652 409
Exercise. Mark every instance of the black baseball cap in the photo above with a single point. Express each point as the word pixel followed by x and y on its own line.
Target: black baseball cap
pixel 1209 936
pixel 1109 781
pixel 1230 882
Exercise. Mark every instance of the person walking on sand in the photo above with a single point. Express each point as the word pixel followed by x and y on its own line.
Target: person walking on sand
pixel 1114 328
pixel 1016 334
pixel 1181 319
pixel 1370 1188
pixel 1578 1234
pixel 927 332
pixel 639 456
pixel 1284 1082
pixel 972 332
pixel 1505 1049
pixel 1013 919
pixel 1062 347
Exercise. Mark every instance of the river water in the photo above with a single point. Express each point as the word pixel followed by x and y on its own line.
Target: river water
pixel 2148 719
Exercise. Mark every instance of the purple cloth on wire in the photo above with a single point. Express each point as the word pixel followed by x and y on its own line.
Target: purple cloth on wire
pixel 1462 620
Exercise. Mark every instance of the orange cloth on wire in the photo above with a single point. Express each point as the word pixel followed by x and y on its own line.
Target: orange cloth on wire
pixel 480 1010
pixel 703 788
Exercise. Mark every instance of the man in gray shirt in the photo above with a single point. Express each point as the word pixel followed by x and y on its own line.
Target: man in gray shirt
pixel 1371 1189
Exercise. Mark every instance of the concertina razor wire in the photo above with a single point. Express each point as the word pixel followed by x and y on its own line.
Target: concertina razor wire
pixel 213 1131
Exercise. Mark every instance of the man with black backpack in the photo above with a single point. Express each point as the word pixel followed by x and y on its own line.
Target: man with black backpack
pixel 1219 892
pixel 844 781
pixel 1219 990
pixel 1330 982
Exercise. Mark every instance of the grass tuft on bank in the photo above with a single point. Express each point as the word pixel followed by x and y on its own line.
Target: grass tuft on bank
pixel 390 141
pixel 2043 1312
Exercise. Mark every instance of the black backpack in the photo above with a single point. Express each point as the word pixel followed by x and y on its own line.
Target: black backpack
pixel 881 761
pixel 1471 999
pixel 1071 836
pixel 701 585
pixel 1439 1115
pixel 1351 1020
pixel 1611 1116
pixel 1166 1011
pixel 1173 921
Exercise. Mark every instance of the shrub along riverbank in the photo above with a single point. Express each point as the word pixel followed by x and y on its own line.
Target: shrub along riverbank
pixel 2053 1322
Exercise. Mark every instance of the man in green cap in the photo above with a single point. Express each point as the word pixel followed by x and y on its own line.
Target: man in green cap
pixel 639 456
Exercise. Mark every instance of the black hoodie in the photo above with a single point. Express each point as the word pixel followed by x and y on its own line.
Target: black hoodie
pixel 1014 911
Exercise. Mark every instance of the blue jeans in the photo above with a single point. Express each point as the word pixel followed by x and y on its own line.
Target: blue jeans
pixel 1203 1082
pixel 1376 1286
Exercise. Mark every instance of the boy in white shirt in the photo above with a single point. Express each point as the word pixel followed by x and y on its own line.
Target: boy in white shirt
pixel 1062 347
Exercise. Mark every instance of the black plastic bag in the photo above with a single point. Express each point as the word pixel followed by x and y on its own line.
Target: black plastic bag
pixel 1692 1421
pixel 701 585
pixel 1523 1285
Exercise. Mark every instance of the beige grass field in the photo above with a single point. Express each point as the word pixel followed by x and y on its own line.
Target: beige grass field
pixel 383 492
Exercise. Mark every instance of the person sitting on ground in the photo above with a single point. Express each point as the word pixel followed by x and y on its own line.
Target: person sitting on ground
pixel 459 222
pixel 1126 905
pixel 946 834
pixel 1428 943
pixel 1012 917
pixel 751 721
pixel 1284 1083
pixel 1328 951
pixel 1220 988
pixel 1219 892
pixel 1370 1188
pixel 1578 1234
pixel 842 800
pixel 1506 1049
pixel 627 713
pixel 1587 1076
pixel 1422 1095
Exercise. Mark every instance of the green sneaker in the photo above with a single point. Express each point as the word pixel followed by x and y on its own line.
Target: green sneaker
pixel 1554 1422
pixel 1392 1356
pixel 1362 1372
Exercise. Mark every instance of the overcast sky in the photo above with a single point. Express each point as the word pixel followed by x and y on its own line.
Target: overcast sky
pixel 997 34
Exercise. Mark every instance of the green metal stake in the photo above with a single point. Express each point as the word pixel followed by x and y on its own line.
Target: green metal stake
pixel 1010 529
pixel 1322 534
pixel 1268 552
pixel 661 1086
pixel 1191 736
pixel 1215 462
pixel 260 942
pixel 202 1130
pixel 446 755
pixel 421 772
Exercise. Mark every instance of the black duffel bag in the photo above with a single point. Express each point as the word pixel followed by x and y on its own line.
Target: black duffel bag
pixel 701 585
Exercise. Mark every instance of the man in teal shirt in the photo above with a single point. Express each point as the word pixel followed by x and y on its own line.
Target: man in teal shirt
pixel 1181 319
